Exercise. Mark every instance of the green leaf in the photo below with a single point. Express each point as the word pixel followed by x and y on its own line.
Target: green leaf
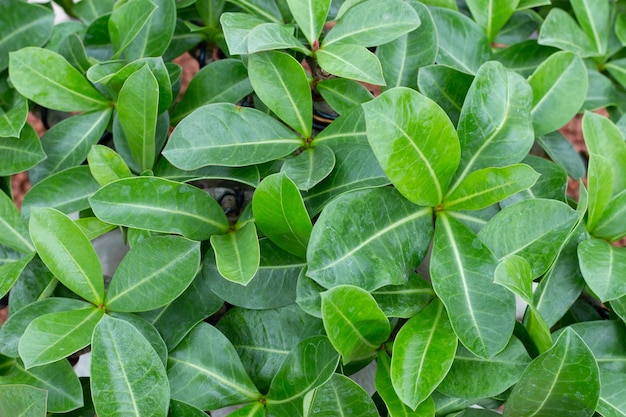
pixel 524 57
pixel 405 300
pixel 612 394
pixel 559 87
pixel 137 112
pixel 237 28
pixel 10 272
pixel 13 228
pixel 408 146
pixel 560 30
pixel 67 143
pixel 561 151
pixel 492 15
pixel 601 265
pixel 354 323
pixel 90 10
pixel 228 135
pixel 46 78
pixel 422 354
pixel 156 34
pixel 474 377
pixel 147 330
pixel 127 21
pixel 160 205
pixel 22 401
pixel 266 9
pixel 35 282
pixel 56 335
pixel 138 285
pixel 205 371
pixel 600 180
pixel 507 233
pixel 604 338
pixel 446 86
pixel 21 153
pixel 68 253
pixel 237 254
pixel 380 243
pixel 264 338
pixel 402 57
pixel 310 167
pixel 348 128
pixel 127 375
pixel 611 225
pixel 106 165
pixel 343 94
pixel 620 28
pixel 482 313
pixel 354 62
pixel 385 389
pixel 281 83
pixel 308 366
pixel 248 175
pixel 181 409
pixel 271 36
pixel 13 119
pixel 488 186
pixel 341 395
pixel 562 381
pixel 58 379
pixel 222 81
pixel 310 17
pixel 364 25
pixel 462 43
pixel 23 24
pixel 280 214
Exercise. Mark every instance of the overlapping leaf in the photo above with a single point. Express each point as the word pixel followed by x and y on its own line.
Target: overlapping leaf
pixel 237 254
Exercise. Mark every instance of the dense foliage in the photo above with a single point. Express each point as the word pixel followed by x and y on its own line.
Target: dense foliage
pixel 395 228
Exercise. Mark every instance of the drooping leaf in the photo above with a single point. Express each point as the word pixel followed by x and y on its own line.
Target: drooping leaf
pixel 407 145
pixel 422 354
pixel 310 17
pixel 20 153
pixel 462 268
pixel 237 254
pixel 310 167
pixel 340 394
pixel 48 79
pixel 205 371
pixel 160 205
pixel 446 86
pixel 67 252
pixel 354 323
pixel 229 135
pixel 13 229
pixel 380 243
pixel 350 61
pixel 138 285
pixel 562 381
pixel 23 401
pixel 127 375
pixel 601 263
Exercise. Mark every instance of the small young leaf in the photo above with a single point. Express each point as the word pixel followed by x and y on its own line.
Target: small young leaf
pixel 601 264
pixel 351 61
pixel 23 401
pixel 106 165
pixel 237 254
pixel 310 16
pixel 341 395
pixel 310 167
pixel 343 94
pixel 22 153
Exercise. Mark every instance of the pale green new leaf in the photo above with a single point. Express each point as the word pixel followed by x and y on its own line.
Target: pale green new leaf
pixel 310 167
pixel 127 375
pixel 601 265
pixel 20 153
pixel 423 352
pixel 13 228
pixel 237 254
pixel 153 273
pixel 23 401
pixel 408 132
pixel 560 30
pixel 354 323
pixel 106 165
pixel 350 61
pixel 310 15
pixel 340 394
pixel 492 15
pixel 67 252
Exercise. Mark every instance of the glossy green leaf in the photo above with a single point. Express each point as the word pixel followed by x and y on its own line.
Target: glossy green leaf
pixel 600 180
pixel 552 182
pixel 237 254
pixel 160 205
pixel 127 375
pixel 58 379
pixel 138 285
pixel 310 17
pixel 348 128
pixel 404 300
pixel 354 323
pixel 562 381
pixel 54 336
pixel 364 25
pixel 237 28
pixel 474 377
pixel 147 330
pixel 248 175
pixel 181 409
pixel 380 243
pixel 281 83
pixel 507 233
pixel 604 338
pixel 13 119
pixel 11 271
pixel 492 15
pixel 127 21
pixel 446 86
pixel 482 313
pixel 22 401
pixel 407 146
pixel 106 165
pixel 67 143
pixel 46 78
pixel 341 395
pixel 462 43
pixel 264 338
pixel 601 265
pixel 266 9
pixel 343 94
pixel 612 225
pixel 559 87
pixel 385 389
pixel 488 186
pixel 229 135
pixel 90 10
pixel 205 371
pixel 272 36
pixel 137 112
pixel 560 30
pixel 280 214
pixel 422 354
pixel 225 80
pixel 156 34
pixel 68 253
pixel 21 153
pixel 308 366
pixel 612 394
pixel 310 167
pixel 351 61
pixel 34 283
pixel 13 229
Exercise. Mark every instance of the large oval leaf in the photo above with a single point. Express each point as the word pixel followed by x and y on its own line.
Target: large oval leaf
pixel 379 239
pixel 226 134
pixel 127 375
pixel 153 273
pixel 160 205
pixel 408 134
